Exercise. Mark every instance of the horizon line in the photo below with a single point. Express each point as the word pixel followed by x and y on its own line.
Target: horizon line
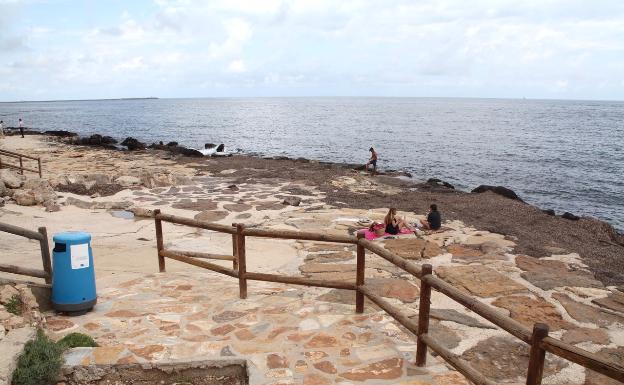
pixel 307 96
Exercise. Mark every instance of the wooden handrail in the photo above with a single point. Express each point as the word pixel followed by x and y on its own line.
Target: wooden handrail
pixel 20 157
pixel 42 237
pixel 538 340
pixel 195 254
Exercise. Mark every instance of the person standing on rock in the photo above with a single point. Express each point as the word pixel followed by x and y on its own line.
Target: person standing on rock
pixel 372 161
pixel 21 127
pixel 1 129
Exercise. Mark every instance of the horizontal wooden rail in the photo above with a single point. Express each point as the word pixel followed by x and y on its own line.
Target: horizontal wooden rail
pixel 428 280
pixel 196 254
pixel 299 235
pixel 462 366
pixel 17 155
pixel 300 281
pixel 484 310
pixel 195 262
pixel 24 271
pixel 195 223
pixel 20 231
pixel 14 167
pixel 584 358
pixel 406 265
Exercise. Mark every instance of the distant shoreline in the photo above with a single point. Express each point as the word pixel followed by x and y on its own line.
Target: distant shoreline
pixel 77 100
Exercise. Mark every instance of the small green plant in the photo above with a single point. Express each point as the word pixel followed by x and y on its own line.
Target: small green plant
pixel 14 306
pixel 40 363
pixel 76 340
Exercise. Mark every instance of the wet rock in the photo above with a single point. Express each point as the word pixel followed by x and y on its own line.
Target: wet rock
pixel 500 190
pixel 614 301
pixel 529 311
pixel 550 212
pixel 570 216
pixel 586 313
pixel 221 147
pixel 381 370
pixel 505 359
pixel 292 201
pixel 577 336
pixel 479 280
pixel 208 146
pixel 549 274
pixel 413 248
pixel 60 133
pixel 133 144
pixel 172 144
pixel 439 183
pixel 400 289
pixel 211 215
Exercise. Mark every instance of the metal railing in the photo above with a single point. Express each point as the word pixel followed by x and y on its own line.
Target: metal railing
pixel 537 339
pixel 42 236
pixel 21 158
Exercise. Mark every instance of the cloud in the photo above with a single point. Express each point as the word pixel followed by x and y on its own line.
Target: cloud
pixel 506 48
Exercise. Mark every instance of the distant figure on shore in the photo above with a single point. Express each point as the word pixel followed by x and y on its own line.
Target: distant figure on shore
pixel 372 161
pixel 21 127
pixel 1 129
pixel 434 219
pixel 393 223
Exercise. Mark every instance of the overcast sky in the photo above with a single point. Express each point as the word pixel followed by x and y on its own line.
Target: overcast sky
pixel 568 49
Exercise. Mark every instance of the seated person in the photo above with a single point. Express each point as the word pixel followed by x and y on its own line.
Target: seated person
pixel 393 223
pixel 434 219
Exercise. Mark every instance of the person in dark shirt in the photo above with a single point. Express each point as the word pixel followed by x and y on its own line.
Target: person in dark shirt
pixel 434 219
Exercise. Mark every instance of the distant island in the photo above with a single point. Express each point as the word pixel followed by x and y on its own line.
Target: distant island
pixel 78 100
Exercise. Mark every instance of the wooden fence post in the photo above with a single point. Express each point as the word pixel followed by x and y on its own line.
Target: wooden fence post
pixel 234 251
pixel 45 253
pixel 423 315
pixel 359 276
pixel 159 241
pixel 537 355
pixel 242 261
pixel 39 164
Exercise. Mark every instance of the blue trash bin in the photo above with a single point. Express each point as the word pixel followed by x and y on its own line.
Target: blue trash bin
pixel 73 279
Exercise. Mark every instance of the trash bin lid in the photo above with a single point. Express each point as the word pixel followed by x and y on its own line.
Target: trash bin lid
pixel 72 237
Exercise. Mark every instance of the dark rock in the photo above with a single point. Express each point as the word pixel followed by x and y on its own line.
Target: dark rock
pixel 178 150
pixel 209 146
pixel 292 201
pixel 570 216
pixel 172 144
pixel 221 148
pixel 500 190
pixel 133 144
pixel 302 160
pixel 233 187
pixel 60 133
pixel 439 183
pixel 549 212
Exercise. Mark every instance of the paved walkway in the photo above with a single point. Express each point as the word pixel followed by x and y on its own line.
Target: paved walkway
pixel 289 335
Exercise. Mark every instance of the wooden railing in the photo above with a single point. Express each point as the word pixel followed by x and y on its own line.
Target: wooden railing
pixel 42 236
pixel 21 158
pixel 538 338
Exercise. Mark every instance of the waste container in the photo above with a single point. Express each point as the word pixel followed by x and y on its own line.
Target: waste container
pixel 73 278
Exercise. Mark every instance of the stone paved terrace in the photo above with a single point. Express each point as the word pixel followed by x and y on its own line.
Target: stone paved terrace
pixel 288 334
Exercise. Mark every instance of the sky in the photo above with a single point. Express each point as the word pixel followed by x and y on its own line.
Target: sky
pixel 62 49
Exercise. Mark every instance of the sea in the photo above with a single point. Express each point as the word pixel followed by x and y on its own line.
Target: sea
pixel 556 154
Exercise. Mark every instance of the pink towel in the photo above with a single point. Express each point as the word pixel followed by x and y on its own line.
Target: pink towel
pixel 370 235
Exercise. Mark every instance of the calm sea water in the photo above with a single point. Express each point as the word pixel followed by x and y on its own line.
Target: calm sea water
pixel 564 155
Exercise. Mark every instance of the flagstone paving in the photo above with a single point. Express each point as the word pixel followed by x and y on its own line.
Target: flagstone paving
pixel 286 334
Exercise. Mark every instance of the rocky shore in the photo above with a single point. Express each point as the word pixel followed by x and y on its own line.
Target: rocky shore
pixel 537 232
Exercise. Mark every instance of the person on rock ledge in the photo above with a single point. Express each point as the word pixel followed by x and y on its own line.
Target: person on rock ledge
pixel 372 161
pixel 395 224
pixel 21 127
pixel 434 219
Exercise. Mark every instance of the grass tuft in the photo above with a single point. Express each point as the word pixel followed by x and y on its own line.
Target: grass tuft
pixel 77 340
pixel 14 306
pixel 40 363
